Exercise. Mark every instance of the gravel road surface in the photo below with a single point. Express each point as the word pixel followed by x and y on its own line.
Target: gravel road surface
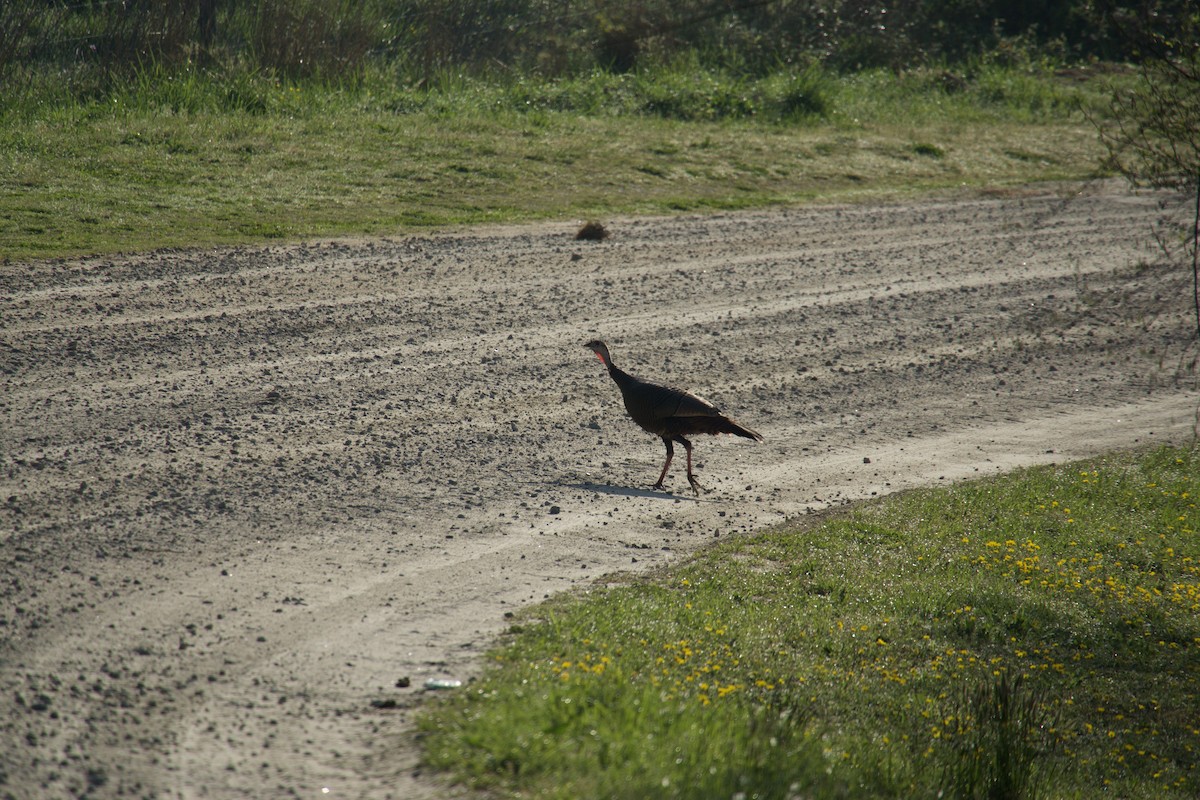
pixel 246 495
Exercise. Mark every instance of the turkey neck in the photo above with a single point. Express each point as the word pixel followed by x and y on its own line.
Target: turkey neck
pixel 619 375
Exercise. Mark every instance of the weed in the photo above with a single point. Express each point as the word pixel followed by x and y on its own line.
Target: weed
pixel 1003 740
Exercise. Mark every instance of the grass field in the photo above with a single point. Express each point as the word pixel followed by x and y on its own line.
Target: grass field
pixel 1036 635
pixel 172 161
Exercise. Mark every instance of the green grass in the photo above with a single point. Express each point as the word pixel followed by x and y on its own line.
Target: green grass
pixel 1037 635
pixel 181 160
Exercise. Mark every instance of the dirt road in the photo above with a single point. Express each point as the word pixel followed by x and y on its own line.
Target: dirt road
pixel 245 493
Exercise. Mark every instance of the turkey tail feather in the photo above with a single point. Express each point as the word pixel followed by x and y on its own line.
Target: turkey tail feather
pixel 740 430
pixel 713 425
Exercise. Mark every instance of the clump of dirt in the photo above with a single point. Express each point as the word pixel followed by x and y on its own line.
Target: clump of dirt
pixel 592 232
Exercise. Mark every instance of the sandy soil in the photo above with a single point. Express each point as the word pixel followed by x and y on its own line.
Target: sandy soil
pixel 244 494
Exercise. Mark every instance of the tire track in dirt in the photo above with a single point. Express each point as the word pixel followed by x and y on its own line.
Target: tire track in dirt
pixel 245 492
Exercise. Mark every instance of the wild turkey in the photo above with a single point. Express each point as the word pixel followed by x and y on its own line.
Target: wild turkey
pixel 669 413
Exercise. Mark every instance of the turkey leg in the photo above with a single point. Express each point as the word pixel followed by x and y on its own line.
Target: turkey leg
pixel 696 487
pixel 666 466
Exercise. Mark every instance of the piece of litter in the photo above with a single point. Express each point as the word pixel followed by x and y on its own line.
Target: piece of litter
pixel 436 683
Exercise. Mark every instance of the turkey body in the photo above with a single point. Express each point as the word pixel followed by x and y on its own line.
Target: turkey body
pixel 669 413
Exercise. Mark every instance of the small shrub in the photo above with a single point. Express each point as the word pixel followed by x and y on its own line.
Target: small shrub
pixel 799 95
pixel 315 38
